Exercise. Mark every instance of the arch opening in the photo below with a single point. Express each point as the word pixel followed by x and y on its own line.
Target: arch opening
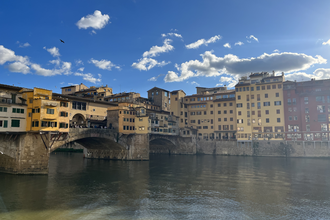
pixel 161 146
pixel 78 120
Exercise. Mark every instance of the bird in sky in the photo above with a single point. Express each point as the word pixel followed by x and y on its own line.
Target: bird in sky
pixel 61 40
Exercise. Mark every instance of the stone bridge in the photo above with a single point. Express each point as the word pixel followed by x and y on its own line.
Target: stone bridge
pixel 28 153
pixel 171 144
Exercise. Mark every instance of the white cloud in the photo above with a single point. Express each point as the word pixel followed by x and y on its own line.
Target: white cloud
pixel 92 32
pixel 227 45
pixel 96 21
pixel 276 51
pixel 200 42
pixel 155 50
pixel 23 45
pixel 66 68
pixel 55 52
pixel 79 62
pixel 239 43
pixel 154 78
pixel 44 72
pixel 56 62
pixel 81 69
pixel 232 65
pixel 326 43
pixel 19 67
pixel 228 81
pixel 146 63
pixel 62 83
pixel 7 55
pixel 89 77
pixel 103 64
pixel 194 83
pixel 252 37
pixel 172 35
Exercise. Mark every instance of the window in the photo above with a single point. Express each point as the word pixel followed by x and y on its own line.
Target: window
pixel 277 94
pixel 267 120
pixel 306 100
pixel 247 98
pixel 294 101
pixel 259 105
pixel 219 105
pixel 258 88
pixel 266 95
pixel 239 121
pixel 258 97
pixel 252 96
pixel 225 112
pixel 268 86
pixel 266 103
pixel 289 101
pixel 259 113
pixel 253 112
pixel 231 111
pixel 15 123
pixel 211 112
pixel 267 112
pixel 3 109
pixel 239 113
pixel 252 104
pixel 230 104
pixel 50 111
pixel 263 87
pixel 231 119
pixel 279 86
pixel 224 104
pixel 239 105
pixel 295 118
pixel 306 110
pixel 277 102
pixel 239 97
pixel 248 114
pixel 320 108
pixel 308 128
pixel 307 118
pixel 278 120
pixel 252 88
pixel 219 119
pixel 321 118
pixel 204 112
pixel 225 119
pixel 320 98
pixel 219 112
pixel 273 86
pixel 290 118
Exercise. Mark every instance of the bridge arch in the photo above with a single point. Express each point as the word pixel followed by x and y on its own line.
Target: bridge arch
pixel 162 145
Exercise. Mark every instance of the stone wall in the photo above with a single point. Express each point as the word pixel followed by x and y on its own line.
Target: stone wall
pixel 25 154
pixel 265 148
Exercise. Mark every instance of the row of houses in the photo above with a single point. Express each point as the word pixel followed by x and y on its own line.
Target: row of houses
pixel 263 106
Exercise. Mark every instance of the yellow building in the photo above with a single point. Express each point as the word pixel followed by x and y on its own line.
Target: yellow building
pixel 96 93
pixel 128 118
pixel 42 111
pixel 259 107
pixel 210 114
pixel 85 112
pixel 64 112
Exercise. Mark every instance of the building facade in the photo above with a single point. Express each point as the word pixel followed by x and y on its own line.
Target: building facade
pixel 259 107
pixel 307 110
pixel 13 109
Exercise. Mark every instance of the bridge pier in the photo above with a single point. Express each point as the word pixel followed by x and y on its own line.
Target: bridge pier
pixel 23 153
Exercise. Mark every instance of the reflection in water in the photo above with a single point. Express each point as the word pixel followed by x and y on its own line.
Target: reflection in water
pixel 170 187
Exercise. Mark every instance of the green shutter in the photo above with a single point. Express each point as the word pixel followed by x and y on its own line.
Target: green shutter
pixel 5 109
pixel 22 111
pixel 14 110
pixel 0 109
pixel 15 123
pixel 5 123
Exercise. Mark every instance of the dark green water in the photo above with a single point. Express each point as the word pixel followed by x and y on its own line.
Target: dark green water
pixel 170 187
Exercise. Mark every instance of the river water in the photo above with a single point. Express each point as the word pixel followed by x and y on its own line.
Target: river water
pixel 170 187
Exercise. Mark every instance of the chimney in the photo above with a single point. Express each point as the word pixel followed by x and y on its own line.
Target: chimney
pixel 273 73
pixel 282 73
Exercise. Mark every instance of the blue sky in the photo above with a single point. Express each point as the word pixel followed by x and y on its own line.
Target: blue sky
pixel 134 45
